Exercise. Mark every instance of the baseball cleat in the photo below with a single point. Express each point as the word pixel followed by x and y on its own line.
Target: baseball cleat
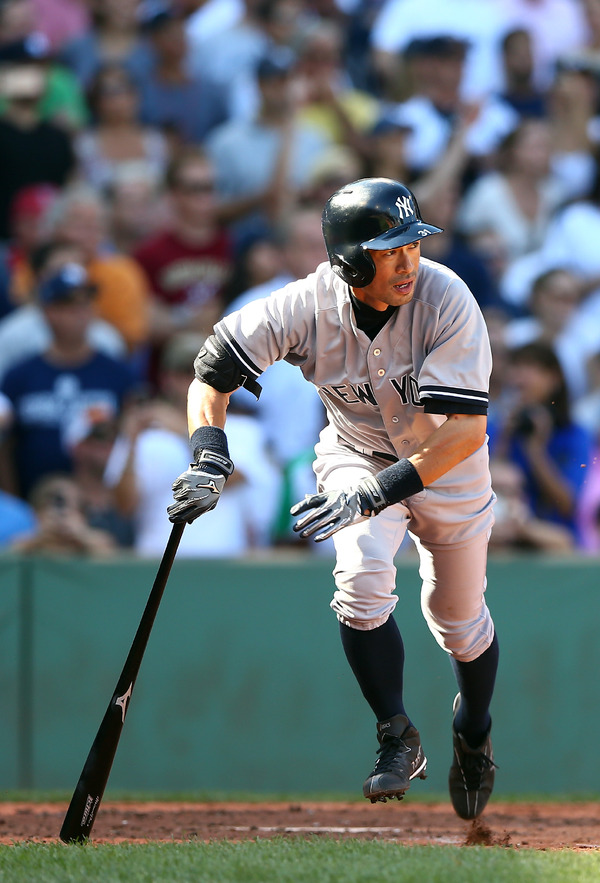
pixel 471 778
pixel 400 760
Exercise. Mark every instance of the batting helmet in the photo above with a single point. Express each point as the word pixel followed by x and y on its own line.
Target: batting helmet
pixel 372 213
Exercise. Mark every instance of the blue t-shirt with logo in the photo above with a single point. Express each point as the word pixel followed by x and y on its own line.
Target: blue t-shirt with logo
pixel 49 399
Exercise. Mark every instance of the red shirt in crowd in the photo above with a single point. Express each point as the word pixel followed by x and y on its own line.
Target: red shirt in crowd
pixel 182 274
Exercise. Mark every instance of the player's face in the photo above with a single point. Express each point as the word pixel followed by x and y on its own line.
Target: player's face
pixel 395 277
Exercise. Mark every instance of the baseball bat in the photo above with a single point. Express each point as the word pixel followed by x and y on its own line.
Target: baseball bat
pixel 81 814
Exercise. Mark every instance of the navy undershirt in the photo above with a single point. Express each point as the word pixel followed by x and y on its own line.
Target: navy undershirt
pixel 368 319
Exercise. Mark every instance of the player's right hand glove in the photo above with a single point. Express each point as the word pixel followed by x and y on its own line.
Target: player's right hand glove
pixel 330 512
pixel 197 490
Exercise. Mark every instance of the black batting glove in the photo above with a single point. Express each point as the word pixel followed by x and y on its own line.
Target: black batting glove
pixel 329 512
pixel 197 490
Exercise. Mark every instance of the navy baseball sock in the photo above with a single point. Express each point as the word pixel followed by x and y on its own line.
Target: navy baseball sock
pixel 377 659
pixel 475 681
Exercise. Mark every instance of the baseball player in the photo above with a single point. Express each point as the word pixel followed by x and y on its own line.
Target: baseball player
pixel 399 352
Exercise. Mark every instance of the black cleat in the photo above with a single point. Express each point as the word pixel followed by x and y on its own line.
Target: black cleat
pixel 400 760
pixel 471 778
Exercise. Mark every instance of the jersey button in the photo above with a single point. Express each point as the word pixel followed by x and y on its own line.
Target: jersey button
pixel 377 352
pixel 381 372
pixel 395 419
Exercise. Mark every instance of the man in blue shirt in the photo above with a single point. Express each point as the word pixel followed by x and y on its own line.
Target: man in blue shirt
pixel 48 393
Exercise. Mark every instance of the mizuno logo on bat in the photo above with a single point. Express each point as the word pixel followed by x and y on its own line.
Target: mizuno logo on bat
pixel 123 700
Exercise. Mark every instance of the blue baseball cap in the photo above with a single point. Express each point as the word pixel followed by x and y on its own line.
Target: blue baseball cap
pixel 277 62
pixel 66 284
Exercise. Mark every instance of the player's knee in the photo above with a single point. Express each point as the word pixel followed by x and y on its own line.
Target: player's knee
pixel 465 640
pixel 360 601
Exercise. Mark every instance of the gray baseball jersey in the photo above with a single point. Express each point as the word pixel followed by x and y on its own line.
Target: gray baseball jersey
pixel 432 357
pixel 386 396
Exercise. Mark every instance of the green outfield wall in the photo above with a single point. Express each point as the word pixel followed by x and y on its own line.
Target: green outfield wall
pixel 244 686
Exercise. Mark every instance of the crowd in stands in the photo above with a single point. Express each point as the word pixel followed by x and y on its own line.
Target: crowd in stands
pixel 163 163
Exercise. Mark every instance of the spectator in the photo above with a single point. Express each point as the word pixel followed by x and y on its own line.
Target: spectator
pixel 188 262
pixel 116 139
pixel 540 436
pixel 90 442
pixel 25 331
pixel 519 88
pixel 518 198
pixel 22 44
pixel 586 408
pixel 188 107
pixel 17 520
pixel 386 152
pixel 556 27
pixel 27 231
pixel 206 19
pixel 262 165
pixel 436 107
pixel 336 166
pixel 516 529
pixel 329 100
pixel 62 528
pixel 478 25
pixel 570 241
pixel 572 114
pixel 572 104
pixel 259 261
pixel 80 218
pixel 155 439
pixel 289 410
pixel 450 247
pixel 114 36
pixel 62 20
pixel 49 392
pixel 500 397
pixel 136 206
pixel 231 56
pixel 588 510
pixel 553 307
pixel 32 151
pixel 586 55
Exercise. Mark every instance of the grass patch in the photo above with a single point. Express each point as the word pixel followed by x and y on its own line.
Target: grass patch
pixel 291 861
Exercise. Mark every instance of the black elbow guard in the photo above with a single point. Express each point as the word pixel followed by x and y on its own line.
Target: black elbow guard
pixel 215 366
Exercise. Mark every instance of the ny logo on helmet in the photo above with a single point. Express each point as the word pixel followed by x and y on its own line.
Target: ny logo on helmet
pixel 404 206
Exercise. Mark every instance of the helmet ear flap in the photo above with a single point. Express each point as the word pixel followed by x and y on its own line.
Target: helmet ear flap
pixel 359 272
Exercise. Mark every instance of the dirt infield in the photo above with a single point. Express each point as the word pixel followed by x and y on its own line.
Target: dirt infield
pixel 522 825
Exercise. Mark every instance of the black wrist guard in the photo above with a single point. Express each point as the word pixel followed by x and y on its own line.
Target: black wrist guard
pixel 211 451
pixel 212 437
pixel 399 481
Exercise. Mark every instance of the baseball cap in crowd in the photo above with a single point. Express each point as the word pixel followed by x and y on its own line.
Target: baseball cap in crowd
pixel 439 46
pixel 154 14
pixel 33 47
pixel 68 283
pixel 278 62
pixel 394 121
pixel 33 201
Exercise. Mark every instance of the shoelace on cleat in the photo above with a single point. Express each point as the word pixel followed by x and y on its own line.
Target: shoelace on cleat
pixel 388 752
pixel 473 767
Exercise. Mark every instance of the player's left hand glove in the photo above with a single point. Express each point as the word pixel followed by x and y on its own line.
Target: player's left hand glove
pixel 329 512
pixel 197 490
